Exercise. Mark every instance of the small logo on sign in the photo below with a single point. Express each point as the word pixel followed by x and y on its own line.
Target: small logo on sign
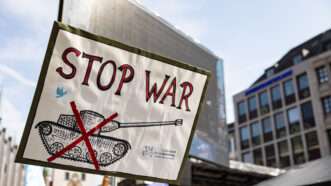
pixel 60 92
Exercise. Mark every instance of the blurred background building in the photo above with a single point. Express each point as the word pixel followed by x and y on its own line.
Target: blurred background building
pixel 145 29
pixel 11 173
pixel 284 118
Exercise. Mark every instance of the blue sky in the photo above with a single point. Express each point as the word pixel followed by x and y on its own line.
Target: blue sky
pixel 248 35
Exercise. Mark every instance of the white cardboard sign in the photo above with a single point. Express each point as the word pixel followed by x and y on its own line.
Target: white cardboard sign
pixel 104 107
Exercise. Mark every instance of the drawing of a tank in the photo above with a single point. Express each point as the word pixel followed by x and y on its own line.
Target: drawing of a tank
pixel 57 135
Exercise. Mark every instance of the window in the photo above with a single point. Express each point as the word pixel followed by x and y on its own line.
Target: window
pixel 284 159
pixel 280 125
pixel 256 133
pixel 297 144
pixel 314 154
pixel 299 158
pixel 326 101
pixel 303 86
pixel 264 103
pixel 267 129
pixel 293 116
pixel 247 157
pixel 257 153
pixel 311 139
pixel 297 59
pixel 270 72
pixel 322 74
pixel 83 176
pixel 276 97
pixel 307 115
pixel 244 137
pixel 297 147
pixel 283 148
pixel 252 107
pixel 329 137
pixel 313 146
pixel 232 143
pixel 67 176
pixel 327 46
pixel 289 92
pixel 241 112
pixel 270 155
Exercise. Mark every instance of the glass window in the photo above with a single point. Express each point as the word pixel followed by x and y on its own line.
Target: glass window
pixel 67 176
pixel 297 147
pixel 264 102
pixel 241 112
pixel 303 86
pixel 293 116
pixel 252 106
pixel 288 87
pixel 297 59
pixel 267 129
pixel 326 101
pixel 299 158
pixel 289 92
pixel 275 93
pixel 284 161
pixel 244 137
pixel 312 146
pixel 307 115
pixel 247 157
pixel 276 97
pixel 311 139
pixel 258 157
pixel 314 154
pixel 256 133
pixel 297 144
pixel 280 125
pixel 283 148
pixel 322 74
pixel 270 155
pixel 327 45
pixel 329 137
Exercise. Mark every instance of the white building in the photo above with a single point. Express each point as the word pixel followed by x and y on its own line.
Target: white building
pixel 11 173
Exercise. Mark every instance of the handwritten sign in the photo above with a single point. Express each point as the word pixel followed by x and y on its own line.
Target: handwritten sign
pixel 104 107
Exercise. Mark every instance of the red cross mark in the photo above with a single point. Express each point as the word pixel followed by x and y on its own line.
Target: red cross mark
pixel 85 136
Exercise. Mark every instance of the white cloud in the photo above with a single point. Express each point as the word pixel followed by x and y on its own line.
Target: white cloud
pixel 12 119
pixel 36 13
pixel 7 71
pixel 181 14
pixel 22 49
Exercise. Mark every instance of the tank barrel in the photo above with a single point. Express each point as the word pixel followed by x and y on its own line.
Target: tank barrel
pixel 177 122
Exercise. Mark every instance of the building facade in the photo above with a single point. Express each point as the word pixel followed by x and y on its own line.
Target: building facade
pixel 284 118
pixel 130 22
pixel 11 173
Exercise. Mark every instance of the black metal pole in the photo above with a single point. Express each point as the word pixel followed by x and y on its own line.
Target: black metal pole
pixel 59 15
